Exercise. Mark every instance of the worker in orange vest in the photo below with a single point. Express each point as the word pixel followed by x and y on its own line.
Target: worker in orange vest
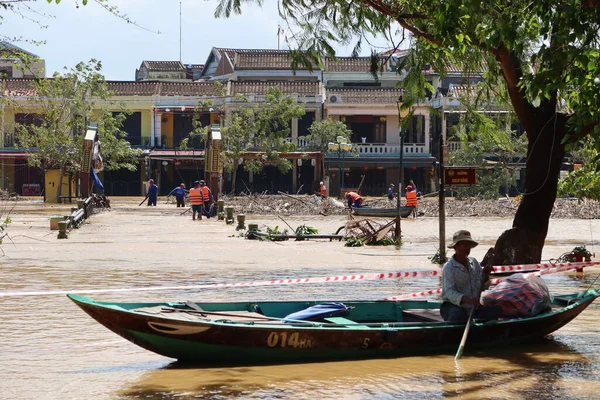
pixel 207 198
pixel 323 190
pixel 354 199
pixel 196 200
pixel 411 199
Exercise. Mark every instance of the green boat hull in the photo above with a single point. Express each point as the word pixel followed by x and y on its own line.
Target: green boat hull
pixel 227 333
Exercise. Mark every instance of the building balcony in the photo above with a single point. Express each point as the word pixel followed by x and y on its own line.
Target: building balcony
pixel 386 149
pixel 375 149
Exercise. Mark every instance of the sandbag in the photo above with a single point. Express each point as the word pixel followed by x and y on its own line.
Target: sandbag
pixel 519 296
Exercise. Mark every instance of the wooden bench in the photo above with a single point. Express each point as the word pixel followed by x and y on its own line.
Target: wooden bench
pixel 348 323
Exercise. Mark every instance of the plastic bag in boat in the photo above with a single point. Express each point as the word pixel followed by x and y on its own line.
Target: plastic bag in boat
pixel 319 311
pixel 519 296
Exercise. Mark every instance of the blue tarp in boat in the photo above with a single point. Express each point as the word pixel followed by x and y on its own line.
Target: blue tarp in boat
pixel 319 311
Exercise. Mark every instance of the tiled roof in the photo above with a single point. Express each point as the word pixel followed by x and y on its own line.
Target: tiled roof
pixel 18 87
pixel 9 50
pixel 188 89
pixel 264 60
pixel 129 88
pixel 350 64
pixel 195 66
pixel 231 53
pixel 363 95
pixel 24 87
pixel 288 87
pixel 164 65
pixel 162 88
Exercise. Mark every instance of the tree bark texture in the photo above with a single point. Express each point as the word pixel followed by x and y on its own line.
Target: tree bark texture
pixel 523 243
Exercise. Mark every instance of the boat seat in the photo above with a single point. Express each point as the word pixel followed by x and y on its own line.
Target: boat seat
pixel 422 315
pixel 349 323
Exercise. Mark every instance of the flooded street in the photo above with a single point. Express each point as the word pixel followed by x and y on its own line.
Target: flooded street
pixel 50 349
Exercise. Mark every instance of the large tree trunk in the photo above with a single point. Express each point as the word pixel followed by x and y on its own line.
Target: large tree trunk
pixel 523 243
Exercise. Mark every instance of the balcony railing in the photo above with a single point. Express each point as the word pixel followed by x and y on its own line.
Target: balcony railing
pixel 383 149
pixel 300 142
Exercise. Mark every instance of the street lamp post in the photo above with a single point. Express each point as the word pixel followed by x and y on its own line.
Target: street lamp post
pixel 402 112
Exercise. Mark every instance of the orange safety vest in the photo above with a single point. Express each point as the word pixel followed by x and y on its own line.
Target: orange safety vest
pixel 205 193
pixel 195 197
pixel 411 198
pixel 323 190
pixel 354 196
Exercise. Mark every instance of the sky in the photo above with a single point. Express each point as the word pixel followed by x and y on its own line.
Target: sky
pixel 73 34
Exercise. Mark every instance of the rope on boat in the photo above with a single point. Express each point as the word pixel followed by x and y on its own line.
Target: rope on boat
pixel 307 280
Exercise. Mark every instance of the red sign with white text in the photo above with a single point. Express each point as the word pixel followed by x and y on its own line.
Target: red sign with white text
pixel 456 176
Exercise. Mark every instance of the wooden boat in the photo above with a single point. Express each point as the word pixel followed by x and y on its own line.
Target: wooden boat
pixel 382 212
pixel 257 333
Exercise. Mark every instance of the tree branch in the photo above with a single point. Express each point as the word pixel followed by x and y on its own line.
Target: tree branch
pixel 511 70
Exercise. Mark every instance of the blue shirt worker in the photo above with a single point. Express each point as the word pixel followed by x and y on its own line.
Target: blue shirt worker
pixel 179 193
pixel 207 198
pixel 463 281
pixel 391 192
pixel 152 193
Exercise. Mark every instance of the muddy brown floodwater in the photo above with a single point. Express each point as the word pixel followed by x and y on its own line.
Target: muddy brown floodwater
pixel 50 349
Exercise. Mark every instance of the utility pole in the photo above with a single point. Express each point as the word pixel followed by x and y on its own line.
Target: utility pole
pixel 442 204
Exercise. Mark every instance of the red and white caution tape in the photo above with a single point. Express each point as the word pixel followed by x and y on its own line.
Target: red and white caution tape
pixel 545 269
pixel 294 281
pixel 529 267
pixel 290 281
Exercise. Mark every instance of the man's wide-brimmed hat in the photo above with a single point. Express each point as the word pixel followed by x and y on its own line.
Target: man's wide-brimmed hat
pixel 462 236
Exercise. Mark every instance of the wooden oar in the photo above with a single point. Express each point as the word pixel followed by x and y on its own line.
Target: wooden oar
pixel 143 201
pixel 463 341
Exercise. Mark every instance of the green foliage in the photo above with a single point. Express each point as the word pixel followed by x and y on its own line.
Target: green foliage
pixel 583 183
pixel 260 130
pixel 354 242
pixel 304 230
pixel 65 105
pixel 483 140
pixel 571 256
pixel 387 241
pixel 3 225
pixel 325 131
pixel 438 257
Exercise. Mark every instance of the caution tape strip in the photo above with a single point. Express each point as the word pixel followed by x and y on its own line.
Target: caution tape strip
pixel 289 281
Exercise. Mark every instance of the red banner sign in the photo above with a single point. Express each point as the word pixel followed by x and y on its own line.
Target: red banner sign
pixel 456 176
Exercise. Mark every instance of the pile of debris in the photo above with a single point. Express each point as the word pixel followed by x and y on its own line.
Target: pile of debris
pixel 368 231
pixel 507 207
pixel 285 204
pixel 6 195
